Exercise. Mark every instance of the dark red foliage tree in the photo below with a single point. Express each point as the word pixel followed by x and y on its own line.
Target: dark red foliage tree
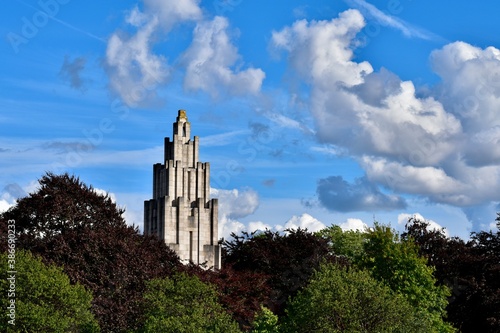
pixel 63 203
pixel 445 254
pixel 471 269
pixel 482 302
pixel 68 223
pixel 288 260
pixel 241 293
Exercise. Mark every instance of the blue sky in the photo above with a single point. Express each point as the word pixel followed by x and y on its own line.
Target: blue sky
pixel 338 112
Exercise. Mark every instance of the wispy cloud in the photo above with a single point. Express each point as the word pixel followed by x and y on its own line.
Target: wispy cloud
pixel 409 30
pixel 66 24
pixel 71 72
pixel 222 139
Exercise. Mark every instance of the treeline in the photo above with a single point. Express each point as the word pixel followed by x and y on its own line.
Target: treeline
pixel 80 268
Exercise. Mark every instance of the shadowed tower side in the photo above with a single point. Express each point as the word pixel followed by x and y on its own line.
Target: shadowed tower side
pixel 181 211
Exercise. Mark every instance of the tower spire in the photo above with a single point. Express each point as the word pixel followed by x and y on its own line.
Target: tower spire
pixel 181 211
pixel 182 127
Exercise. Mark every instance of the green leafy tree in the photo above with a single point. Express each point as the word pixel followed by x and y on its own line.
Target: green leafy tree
pixel 184 303
pixel 265 322
pixel 45 300
pixel 398 264
pixel 340 299
pixel 344 243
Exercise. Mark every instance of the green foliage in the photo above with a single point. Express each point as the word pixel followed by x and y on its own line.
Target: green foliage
pixel 184 304
pixel 398 264
pixel 265 321
pixel 344 243
pixel 45 301
pixel 340 299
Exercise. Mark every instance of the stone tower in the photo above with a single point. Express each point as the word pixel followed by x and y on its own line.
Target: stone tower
pixel 181 211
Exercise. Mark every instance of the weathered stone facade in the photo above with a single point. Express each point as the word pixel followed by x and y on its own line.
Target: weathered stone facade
pixel 181 211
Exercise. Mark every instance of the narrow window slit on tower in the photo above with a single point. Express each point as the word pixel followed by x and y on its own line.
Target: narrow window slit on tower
pixel 191 246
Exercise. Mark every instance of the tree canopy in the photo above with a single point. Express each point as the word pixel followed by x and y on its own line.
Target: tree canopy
pixel 241 292
pixel 341 299
pixel 398 264
pixel 71 225
pixel 265 322
pixel 288 260
pixel 471 269
pixel 347 243
pixel 62 203
pixel 184 304
pixel 371 280
pixel 45 300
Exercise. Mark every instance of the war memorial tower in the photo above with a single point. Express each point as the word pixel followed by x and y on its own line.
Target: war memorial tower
pixel 181 211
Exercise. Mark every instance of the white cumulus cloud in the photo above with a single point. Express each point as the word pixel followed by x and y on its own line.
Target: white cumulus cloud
pixel 233 205
pixel 470 89
pixel 103 193
pixel 353 224
pixel 443 145
pixel 304 221
pixel 258 225
pixel 134 71
pixel 14 191
pixel 171 12
pixel 433 225
pixel 5 204
pixel 212 62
